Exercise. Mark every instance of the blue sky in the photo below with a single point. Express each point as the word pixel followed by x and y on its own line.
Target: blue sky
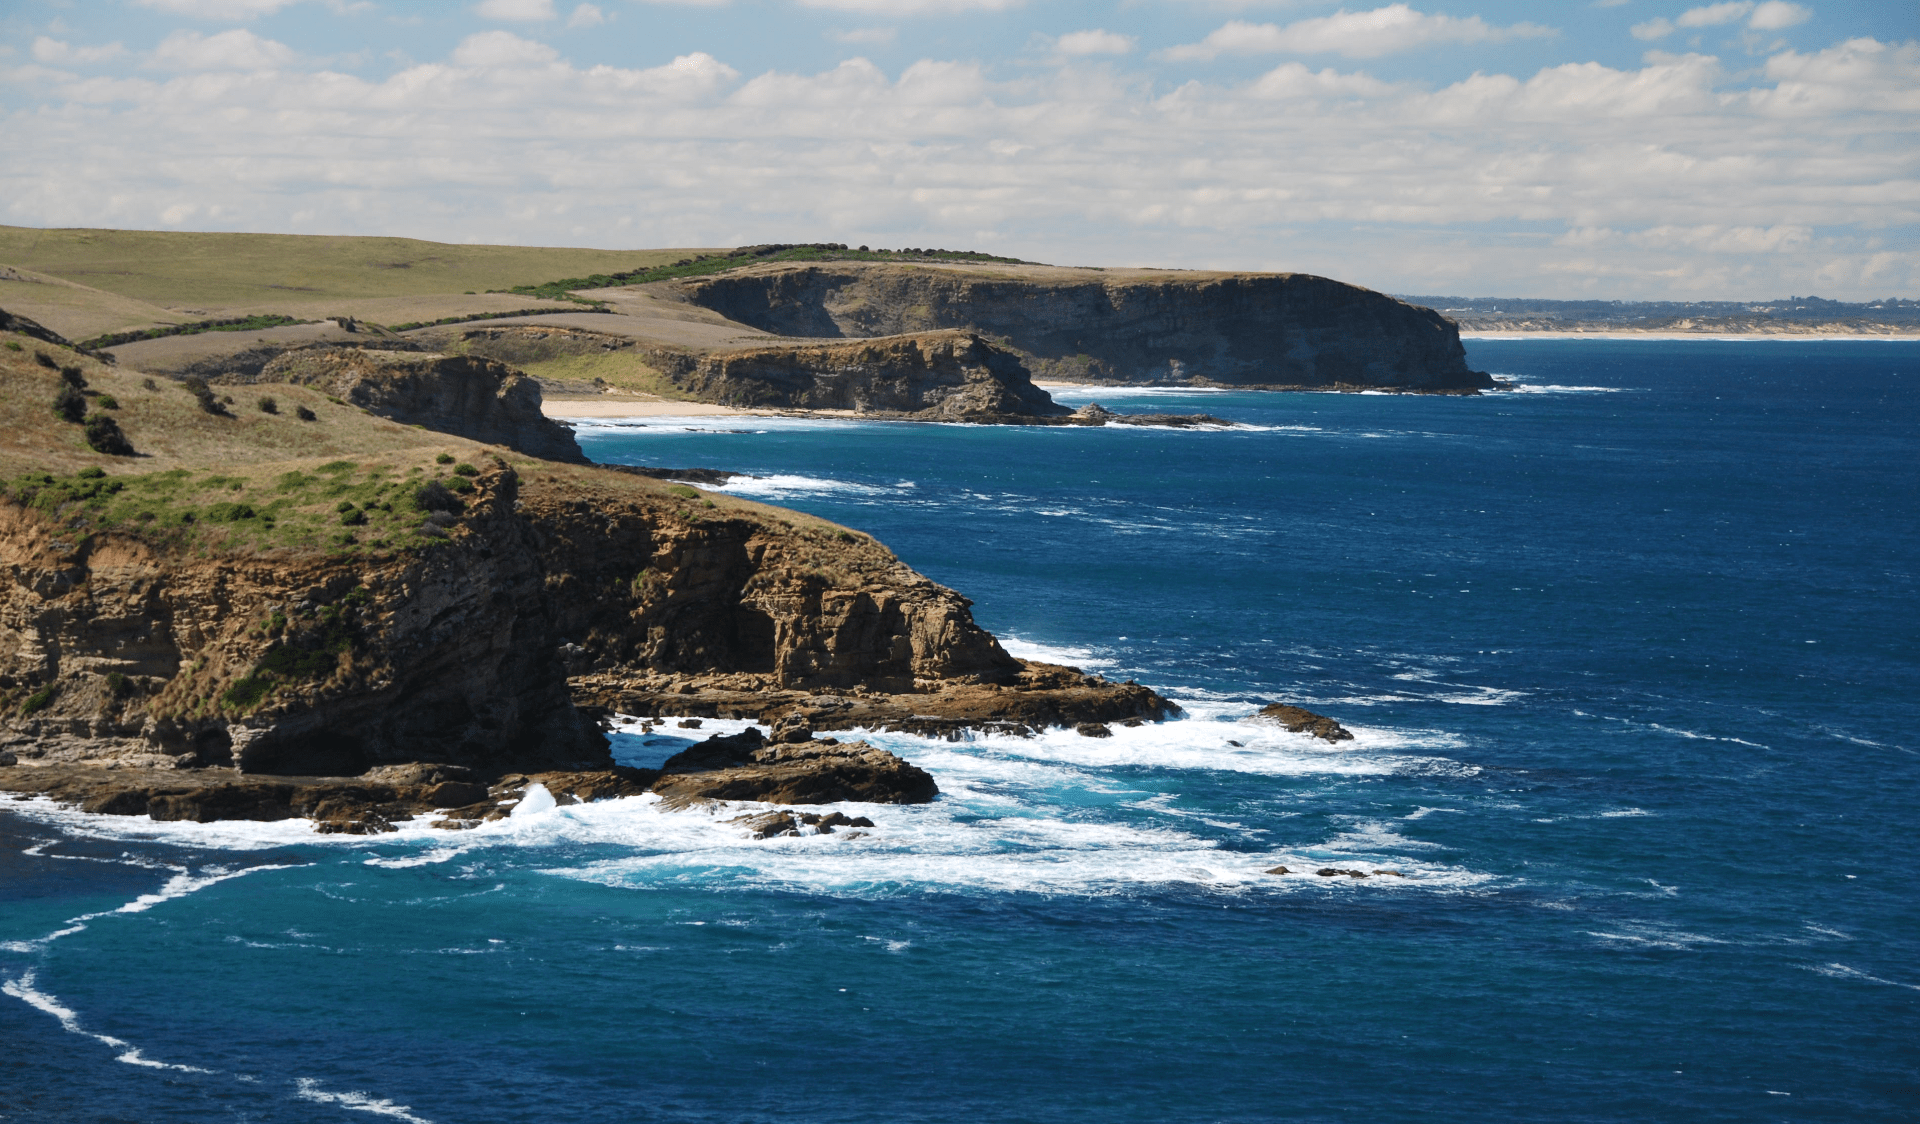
pixel 1611 149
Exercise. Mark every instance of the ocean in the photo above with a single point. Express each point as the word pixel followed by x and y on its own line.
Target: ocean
pixel 1629 654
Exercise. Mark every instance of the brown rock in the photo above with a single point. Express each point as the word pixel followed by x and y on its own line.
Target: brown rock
pixel 1093 730
pixel 1298 721
pixel 746 767
pixel 1279 870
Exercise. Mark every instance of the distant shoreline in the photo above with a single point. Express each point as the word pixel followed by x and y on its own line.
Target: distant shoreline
pixel 1722 337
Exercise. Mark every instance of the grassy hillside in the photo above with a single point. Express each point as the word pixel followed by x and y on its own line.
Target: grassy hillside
pixel 233 270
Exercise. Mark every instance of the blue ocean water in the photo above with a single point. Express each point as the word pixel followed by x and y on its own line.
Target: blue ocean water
pixel 1630 654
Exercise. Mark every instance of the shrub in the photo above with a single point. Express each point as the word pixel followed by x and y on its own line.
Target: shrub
pixel 355 518
pixel 104 436
pixel 465 470
pixel 46 360
pixel 38 700
pixel 684 492
pixel 245 694
pixel 14 345
pixel 344 506
pixel 73 377
pixel 203 393
pixel 93 473
pixel 70 405
pixel 443 458
pixel 149 384
pixel 230 512
pixel 268 405
pixel 460 484
pixel 107 402
pixel 117 684
pixel 305 414
pixel 337 466
pixel 434 496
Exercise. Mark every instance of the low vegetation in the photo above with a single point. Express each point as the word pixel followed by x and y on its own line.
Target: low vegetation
pixel 705 264
pixel 387 507
pixel 237 324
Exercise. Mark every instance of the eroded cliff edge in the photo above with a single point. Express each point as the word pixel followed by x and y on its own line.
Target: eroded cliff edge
pixel 1273 331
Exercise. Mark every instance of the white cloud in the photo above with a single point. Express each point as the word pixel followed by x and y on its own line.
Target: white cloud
pixel 502 49
pixel 586 15
pixel 55 52
pixel 1094 42
pixel 1361 35
pixel 1675 177
pixel 517 11
pixel 1658 28
pixel 1776 15
pixel 913 7
pixel 218 9
pixel 875 36
pixel 1713 15
pixel 238 49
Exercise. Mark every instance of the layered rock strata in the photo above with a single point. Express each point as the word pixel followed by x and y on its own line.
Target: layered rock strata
pixel 471 397
pixel 1276 331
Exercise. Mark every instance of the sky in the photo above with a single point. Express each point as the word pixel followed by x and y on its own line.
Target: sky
pixel 1618 149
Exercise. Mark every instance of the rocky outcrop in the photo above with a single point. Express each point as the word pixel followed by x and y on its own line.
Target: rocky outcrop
pixel 1279 330
pixel 131 652
pixel 1036 696
pixel 746 766
pixel 1295 720
pixel 939 376
pixel 474 398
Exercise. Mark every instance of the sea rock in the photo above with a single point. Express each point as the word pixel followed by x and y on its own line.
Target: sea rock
pixel 1279 870
pixel 1093 730
pixel 746 766
pixel 1298 721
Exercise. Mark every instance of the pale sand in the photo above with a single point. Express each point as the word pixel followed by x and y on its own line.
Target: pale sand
pixel 636 407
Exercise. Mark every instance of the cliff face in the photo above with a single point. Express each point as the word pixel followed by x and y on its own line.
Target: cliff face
pixel 1257 330
pixel 942 374
pixel 113 648
pixel 474 398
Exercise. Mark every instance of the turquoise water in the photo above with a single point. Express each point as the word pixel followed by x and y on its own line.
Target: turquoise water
pixel 1630 655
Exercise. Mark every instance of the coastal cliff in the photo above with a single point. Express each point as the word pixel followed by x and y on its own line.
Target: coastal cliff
pixel 1276 331
pixel 472 397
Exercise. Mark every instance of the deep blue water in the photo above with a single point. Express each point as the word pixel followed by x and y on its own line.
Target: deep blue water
pixel 1631 659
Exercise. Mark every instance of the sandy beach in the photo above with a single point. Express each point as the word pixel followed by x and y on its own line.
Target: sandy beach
pixel 634 406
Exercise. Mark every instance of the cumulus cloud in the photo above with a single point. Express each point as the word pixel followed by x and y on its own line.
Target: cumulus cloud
pixel 1094 42
pixel 57 53
pixel 586 15
pixel 913 7
pixel 876 36
pixel 517 11
pixel 1674 177
pixel 238 49
pixel 1360 35
pixel 218 9
pixel 1774 15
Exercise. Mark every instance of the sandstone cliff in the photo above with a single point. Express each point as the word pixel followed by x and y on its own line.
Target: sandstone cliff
pixel 1284 330
pixel 475 398
pixel 938 375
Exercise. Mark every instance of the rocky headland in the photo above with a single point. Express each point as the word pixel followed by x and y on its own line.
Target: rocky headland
pixel 239 621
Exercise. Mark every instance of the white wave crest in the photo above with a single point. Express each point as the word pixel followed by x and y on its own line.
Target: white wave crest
pixel 792 485
pixel 21 988
pixel 308 1089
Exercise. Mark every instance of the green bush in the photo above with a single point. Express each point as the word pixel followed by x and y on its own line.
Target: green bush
pixel 354 518
pixel 443 458
pixel 93 473
pixel 117 684
pixel 305 414
pixel 37 701
pixel 465 470
pixel 344 506
pixel 104 436
pixel 230 512
pixel 460 484
pixel 245 694
pixel 684 492
pixel 268 405
pixel 107 401
pixel 70 405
